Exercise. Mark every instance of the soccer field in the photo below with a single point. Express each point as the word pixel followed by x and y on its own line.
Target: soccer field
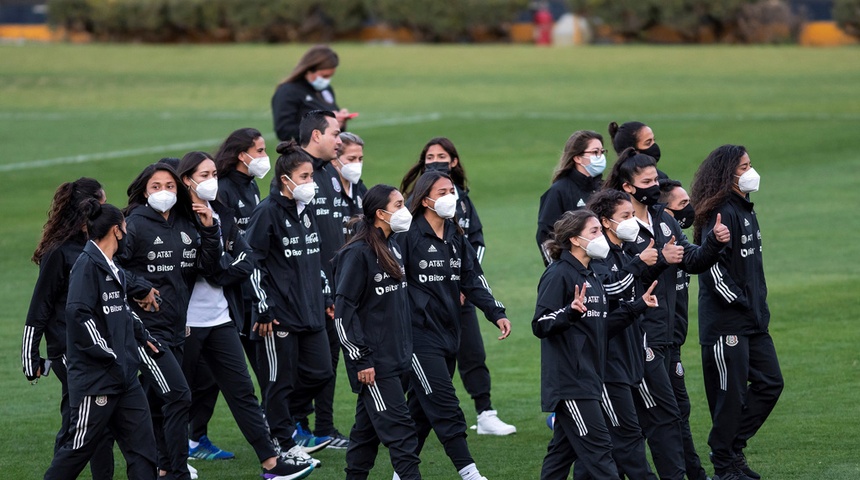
pixel 106 111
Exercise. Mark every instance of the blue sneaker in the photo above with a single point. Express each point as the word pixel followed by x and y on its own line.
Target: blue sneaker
pixel 308 441
pixel 205 450
pixel 550 421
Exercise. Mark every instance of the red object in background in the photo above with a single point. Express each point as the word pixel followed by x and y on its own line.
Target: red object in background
pixel 543 23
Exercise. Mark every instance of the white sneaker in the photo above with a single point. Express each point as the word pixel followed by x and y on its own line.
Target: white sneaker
pixel 489 424
pixel 298 455
pixel 193 472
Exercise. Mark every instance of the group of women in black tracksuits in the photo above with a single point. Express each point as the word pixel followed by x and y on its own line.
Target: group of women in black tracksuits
pixel 640 386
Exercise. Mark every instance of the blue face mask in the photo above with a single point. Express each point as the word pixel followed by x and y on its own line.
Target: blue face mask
pixel 320 83
pixel 597 165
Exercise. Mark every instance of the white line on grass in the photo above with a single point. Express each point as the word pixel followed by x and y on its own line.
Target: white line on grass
pixel 91 157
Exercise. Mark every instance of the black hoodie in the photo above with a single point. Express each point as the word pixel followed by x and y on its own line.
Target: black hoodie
pixel 292 100
pixel 288 282
pixel 570 192
pixel 372 316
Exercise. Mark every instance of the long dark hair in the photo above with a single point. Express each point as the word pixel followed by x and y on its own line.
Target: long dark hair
pixel 237 142
pixel 574 147
pixel 65 218
pixel 604 203
pixel 629 163
pixel 318 57
pixel 568 226
pixel 137 191
pixel 100 218
pixel 190 161
pixel 458 173
pixel 625 135
pixel 376 199
pixel 292 155
pixel 713 183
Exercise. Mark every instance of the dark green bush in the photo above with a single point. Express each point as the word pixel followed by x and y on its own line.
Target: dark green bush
pixel 847 15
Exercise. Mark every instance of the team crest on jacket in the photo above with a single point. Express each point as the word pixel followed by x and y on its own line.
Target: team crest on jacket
pixel 731 340
pixel 307 221
pixel 185 238
pixel 679 369
pixel 665 229
pixel 282 334
pixel 335 183
pixel 649 354
pixel 101 400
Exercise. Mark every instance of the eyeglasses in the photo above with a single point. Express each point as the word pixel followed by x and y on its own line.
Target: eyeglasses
pixel 596 151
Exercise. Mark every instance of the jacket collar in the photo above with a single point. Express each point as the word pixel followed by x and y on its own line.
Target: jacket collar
pixel 585 182
pixel 566 256
pixel 98 257
pixel 239 178
pixel 424 228
pixel 148 212
pixel 286 203
pixel 742 202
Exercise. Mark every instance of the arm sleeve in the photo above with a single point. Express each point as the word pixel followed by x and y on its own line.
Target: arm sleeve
pixel 623 316
pixel 51 279
pixel 210 249
pixel 351 279
pixel 717 277
pixel 475 232
pixel 286 113
pixel 549 211
pixel 83 331
pixel 697 259
pixel 238 264
pixel 616 283
pixel 553 314
pixel 475 286
pixel 136 286
pixel 257 236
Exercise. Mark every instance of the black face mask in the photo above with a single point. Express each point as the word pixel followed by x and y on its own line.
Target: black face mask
pixel 444 167
pixel 652 151
pixel 121 244
pixel 647 196
pixel 684 216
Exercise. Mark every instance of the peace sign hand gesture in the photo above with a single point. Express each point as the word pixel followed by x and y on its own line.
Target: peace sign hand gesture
pixel 578 303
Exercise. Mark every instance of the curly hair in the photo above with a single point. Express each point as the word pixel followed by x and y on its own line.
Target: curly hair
pixel 570 225
pixel 713 183
pixel 605 202
pixel 66 219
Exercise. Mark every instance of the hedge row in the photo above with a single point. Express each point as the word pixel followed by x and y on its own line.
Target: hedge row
pixel 280 20
pixel 747 21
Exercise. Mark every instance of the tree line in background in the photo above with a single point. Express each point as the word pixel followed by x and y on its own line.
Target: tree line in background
pixel 733 21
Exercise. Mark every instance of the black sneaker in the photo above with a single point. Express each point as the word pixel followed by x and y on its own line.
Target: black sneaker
pixel 743 466
pixel 287 471
pixel 732 473
pixel 338 441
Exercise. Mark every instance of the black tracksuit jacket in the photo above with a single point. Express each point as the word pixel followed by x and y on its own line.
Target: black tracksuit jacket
pixel 467 218
pixel 292 100
pixel 372 315
pixel 573 345
pixel 568 193
pixel 103 337
pixel 621 275
pixel 659 322
pixel 437 270
pixel 329 214
pixel 240 193
pixel 47 313
pixel 169 254
pixel 733 292
pixel 234 266
pixel 287 280
pixel 353 205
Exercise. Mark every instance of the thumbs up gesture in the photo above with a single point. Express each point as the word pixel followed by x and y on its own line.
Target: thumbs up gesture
pixel 721 231
pixel 673 253
pixel 649 255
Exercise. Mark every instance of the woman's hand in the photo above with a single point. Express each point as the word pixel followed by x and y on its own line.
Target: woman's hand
pixel 329 312
pixel 721 231
pixel 342 116
pixel 265 329
pixel 673 253
pixel 367 376
pixel 204 213
pixel 504 326
pixel 649 298
pixel 149 302
pixel 578 303
pixel 649 255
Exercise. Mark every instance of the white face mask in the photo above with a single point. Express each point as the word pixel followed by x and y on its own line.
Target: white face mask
pixel 350 171
pixel 258 167
pixel 400 221
pixel 302 193
pixel 627 230
pixel 748 182
pixel 207 189
pixel 320 83
pixel 446 205
pixel 162 200
pixel 597 248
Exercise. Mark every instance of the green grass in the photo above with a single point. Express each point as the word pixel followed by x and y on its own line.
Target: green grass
pixel 509 110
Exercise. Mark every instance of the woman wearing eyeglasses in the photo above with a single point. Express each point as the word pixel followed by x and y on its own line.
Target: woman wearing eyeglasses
pixel 577 176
